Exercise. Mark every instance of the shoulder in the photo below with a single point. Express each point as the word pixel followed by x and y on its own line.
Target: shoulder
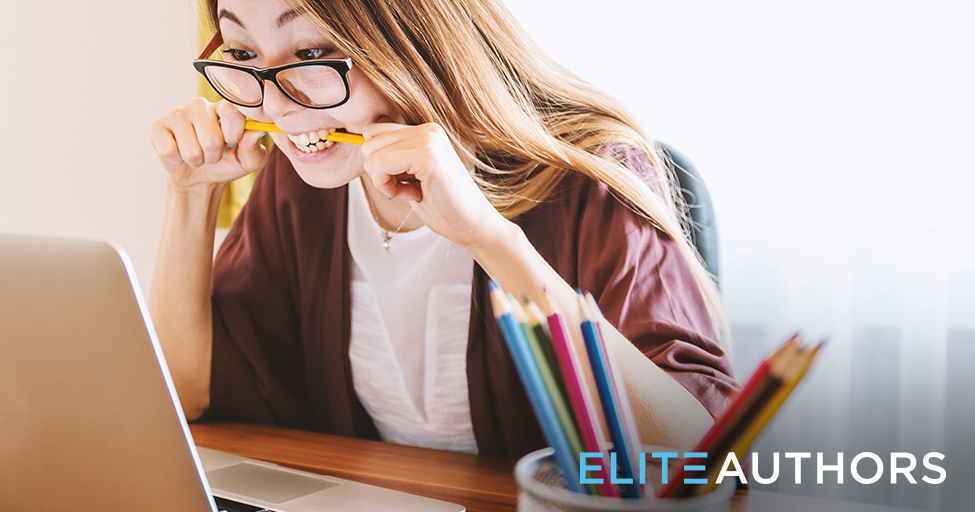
pixel 586 231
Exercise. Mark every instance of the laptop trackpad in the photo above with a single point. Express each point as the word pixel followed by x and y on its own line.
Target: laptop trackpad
pixel 263 483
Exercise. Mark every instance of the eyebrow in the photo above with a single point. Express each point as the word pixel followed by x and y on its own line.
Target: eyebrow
pixel 285 18
pixel 224 13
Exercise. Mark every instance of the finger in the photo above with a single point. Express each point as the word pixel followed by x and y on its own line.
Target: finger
pixel 402 186
pixel 379 128
pixel 387 177
pixel 250 153
pixel 184 135
pixel 388 163
pixel 164 142
pixel 381 134
pixel 407 188
pixel 209 134
pixel 401 158
pixel 231 122
pixel 385 184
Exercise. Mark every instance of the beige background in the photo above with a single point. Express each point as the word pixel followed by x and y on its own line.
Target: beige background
pixel 82 83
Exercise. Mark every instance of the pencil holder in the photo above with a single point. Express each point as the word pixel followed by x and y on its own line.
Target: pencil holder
pixel 542 489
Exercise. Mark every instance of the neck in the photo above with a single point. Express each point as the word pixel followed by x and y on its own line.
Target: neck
pixel 390 213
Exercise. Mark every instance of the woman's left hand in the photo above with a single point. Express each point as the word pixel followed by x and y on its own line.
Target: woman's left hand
pixel 447 199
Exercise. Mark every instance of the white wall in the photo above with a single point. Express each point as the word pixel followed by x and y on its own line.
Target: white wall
pixel 83 82
pixel 836 140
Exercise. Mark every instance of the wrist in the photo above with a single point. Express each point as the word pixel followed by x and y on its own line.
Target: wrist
pixel 196 192
pixel 494 235
pixel 193 206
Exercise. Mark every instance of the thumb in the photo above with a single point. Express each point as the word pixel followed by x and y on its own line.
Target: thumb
pixel 250 152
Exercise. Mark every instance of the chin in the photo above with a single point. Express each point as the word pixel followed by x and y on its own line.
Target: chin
pixel 323 178
pixel 330 168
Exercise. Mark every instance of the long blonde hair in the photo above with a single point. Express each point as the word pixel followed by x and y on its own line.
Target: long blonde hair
pixel 510 110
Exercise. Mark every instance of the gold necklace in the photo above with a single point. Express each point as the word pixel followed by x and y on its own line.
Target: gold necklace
pixel 384 233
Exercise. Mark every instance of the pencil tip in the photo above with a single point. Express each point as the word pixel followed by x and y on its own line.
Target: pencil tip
pixel 593 305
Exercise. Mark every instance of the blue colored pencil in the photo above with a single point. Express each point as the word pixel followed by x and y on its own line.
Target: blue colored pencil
pixel 615 407
pixel 538 337
pixel 535 388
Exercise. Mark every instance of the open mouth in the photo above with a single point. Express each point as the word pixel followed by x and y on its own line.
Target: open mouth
pixel 313 142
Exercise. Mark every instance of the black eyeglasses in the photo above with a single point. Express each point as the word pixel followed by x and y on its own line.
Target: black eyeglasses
pixel 314 84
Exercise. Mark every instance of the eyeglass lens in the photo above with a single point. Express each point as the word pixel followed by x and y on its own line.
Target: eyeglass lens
pixel 235 85
pixel 312 86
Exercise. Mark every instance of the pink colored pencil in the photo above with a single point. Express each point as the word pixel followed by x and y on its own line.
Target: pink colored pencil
pixel 581 399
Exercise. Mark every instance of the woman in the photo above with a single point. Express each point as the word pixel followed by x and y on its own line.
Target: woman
pixel 350 296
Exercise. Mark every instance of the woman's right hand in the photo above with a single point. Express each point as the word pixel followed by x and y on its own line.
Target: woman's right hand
pixel 205 143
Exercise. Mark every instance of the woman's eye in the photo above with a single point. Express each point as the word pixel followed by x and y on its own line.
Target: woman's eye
pixel 239 55
pixel 313 53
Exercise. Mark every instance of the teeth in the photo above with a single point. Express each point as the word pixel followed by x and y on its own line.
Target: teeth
pixel 313 141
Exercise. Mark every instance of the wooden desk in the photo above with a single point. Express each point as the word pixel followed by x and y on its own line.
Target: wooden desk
pixel 482 484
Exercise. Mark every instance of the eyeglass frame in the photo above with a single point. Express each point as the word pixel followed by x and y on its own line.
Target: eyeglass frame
pixel 342 66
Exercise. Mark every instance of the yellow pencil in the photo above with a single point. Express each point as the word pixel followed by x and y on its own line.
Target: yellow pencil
pixel 348 138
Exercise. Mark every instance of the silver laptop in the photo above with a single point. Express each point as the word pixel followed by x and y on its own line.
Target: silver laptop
pixel 89 418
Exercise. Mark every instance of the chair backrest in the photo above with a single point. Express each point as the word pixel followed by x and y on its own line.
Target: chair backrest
pixel 703 225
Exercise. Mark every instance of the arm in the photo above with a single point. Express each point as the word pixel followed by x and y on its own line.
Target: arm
pixel 450 204
pixel 192 143
pixel 179 301
pixel 668 414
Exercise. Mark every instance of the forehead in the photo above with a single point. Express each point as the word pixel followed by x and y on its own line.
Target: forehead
pixel 253 15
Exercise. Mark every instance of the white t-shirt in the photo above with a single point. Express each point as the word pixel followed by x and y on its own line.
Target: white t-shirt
pixel 410 322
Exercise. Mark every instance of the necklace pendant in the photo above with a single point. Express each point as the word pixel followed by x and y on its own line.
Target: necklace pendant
pixel 386 237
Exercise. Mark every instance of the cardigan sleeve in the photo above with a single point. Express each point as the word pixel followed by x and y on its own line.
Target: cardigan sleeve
pixel 646 288
pixel 256 345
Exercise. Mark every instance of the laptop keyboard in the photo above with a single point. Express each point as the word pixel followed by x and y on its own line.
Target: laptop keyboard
pixel 225 505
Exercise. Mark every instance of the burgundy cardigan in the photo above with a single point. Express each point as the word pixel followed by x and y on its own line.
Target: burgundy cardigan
pixel 281 309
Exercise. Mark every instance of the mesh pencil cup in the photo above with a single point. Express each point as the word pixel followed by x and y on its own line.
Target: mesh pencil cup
pixel 542 489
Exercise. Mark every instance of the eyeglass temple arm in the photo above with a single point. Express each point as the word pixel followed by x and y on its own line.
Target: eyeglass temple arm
pixel 212 46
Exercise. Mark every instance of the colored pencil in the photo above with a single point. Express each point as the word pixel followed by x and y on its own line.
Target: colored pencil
pixel 536 339
pixel 720 432
pixel 348 138
pixel 537 320
pixel 531 378
pixel 791 377
pixel 613 396
pixel 749 413
pixel 581 399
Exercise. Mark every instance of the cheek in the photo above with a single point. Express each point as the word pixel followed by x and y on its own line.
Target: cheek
pixel 250 112
pixel 280 140
pixel 367 102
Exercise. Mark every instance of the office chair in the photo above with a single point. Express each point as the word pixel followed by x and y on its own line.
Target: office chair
pixel 703 226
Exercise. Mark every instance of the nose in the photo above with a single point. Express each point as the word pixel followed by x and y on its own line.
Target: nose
pixel 276 104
